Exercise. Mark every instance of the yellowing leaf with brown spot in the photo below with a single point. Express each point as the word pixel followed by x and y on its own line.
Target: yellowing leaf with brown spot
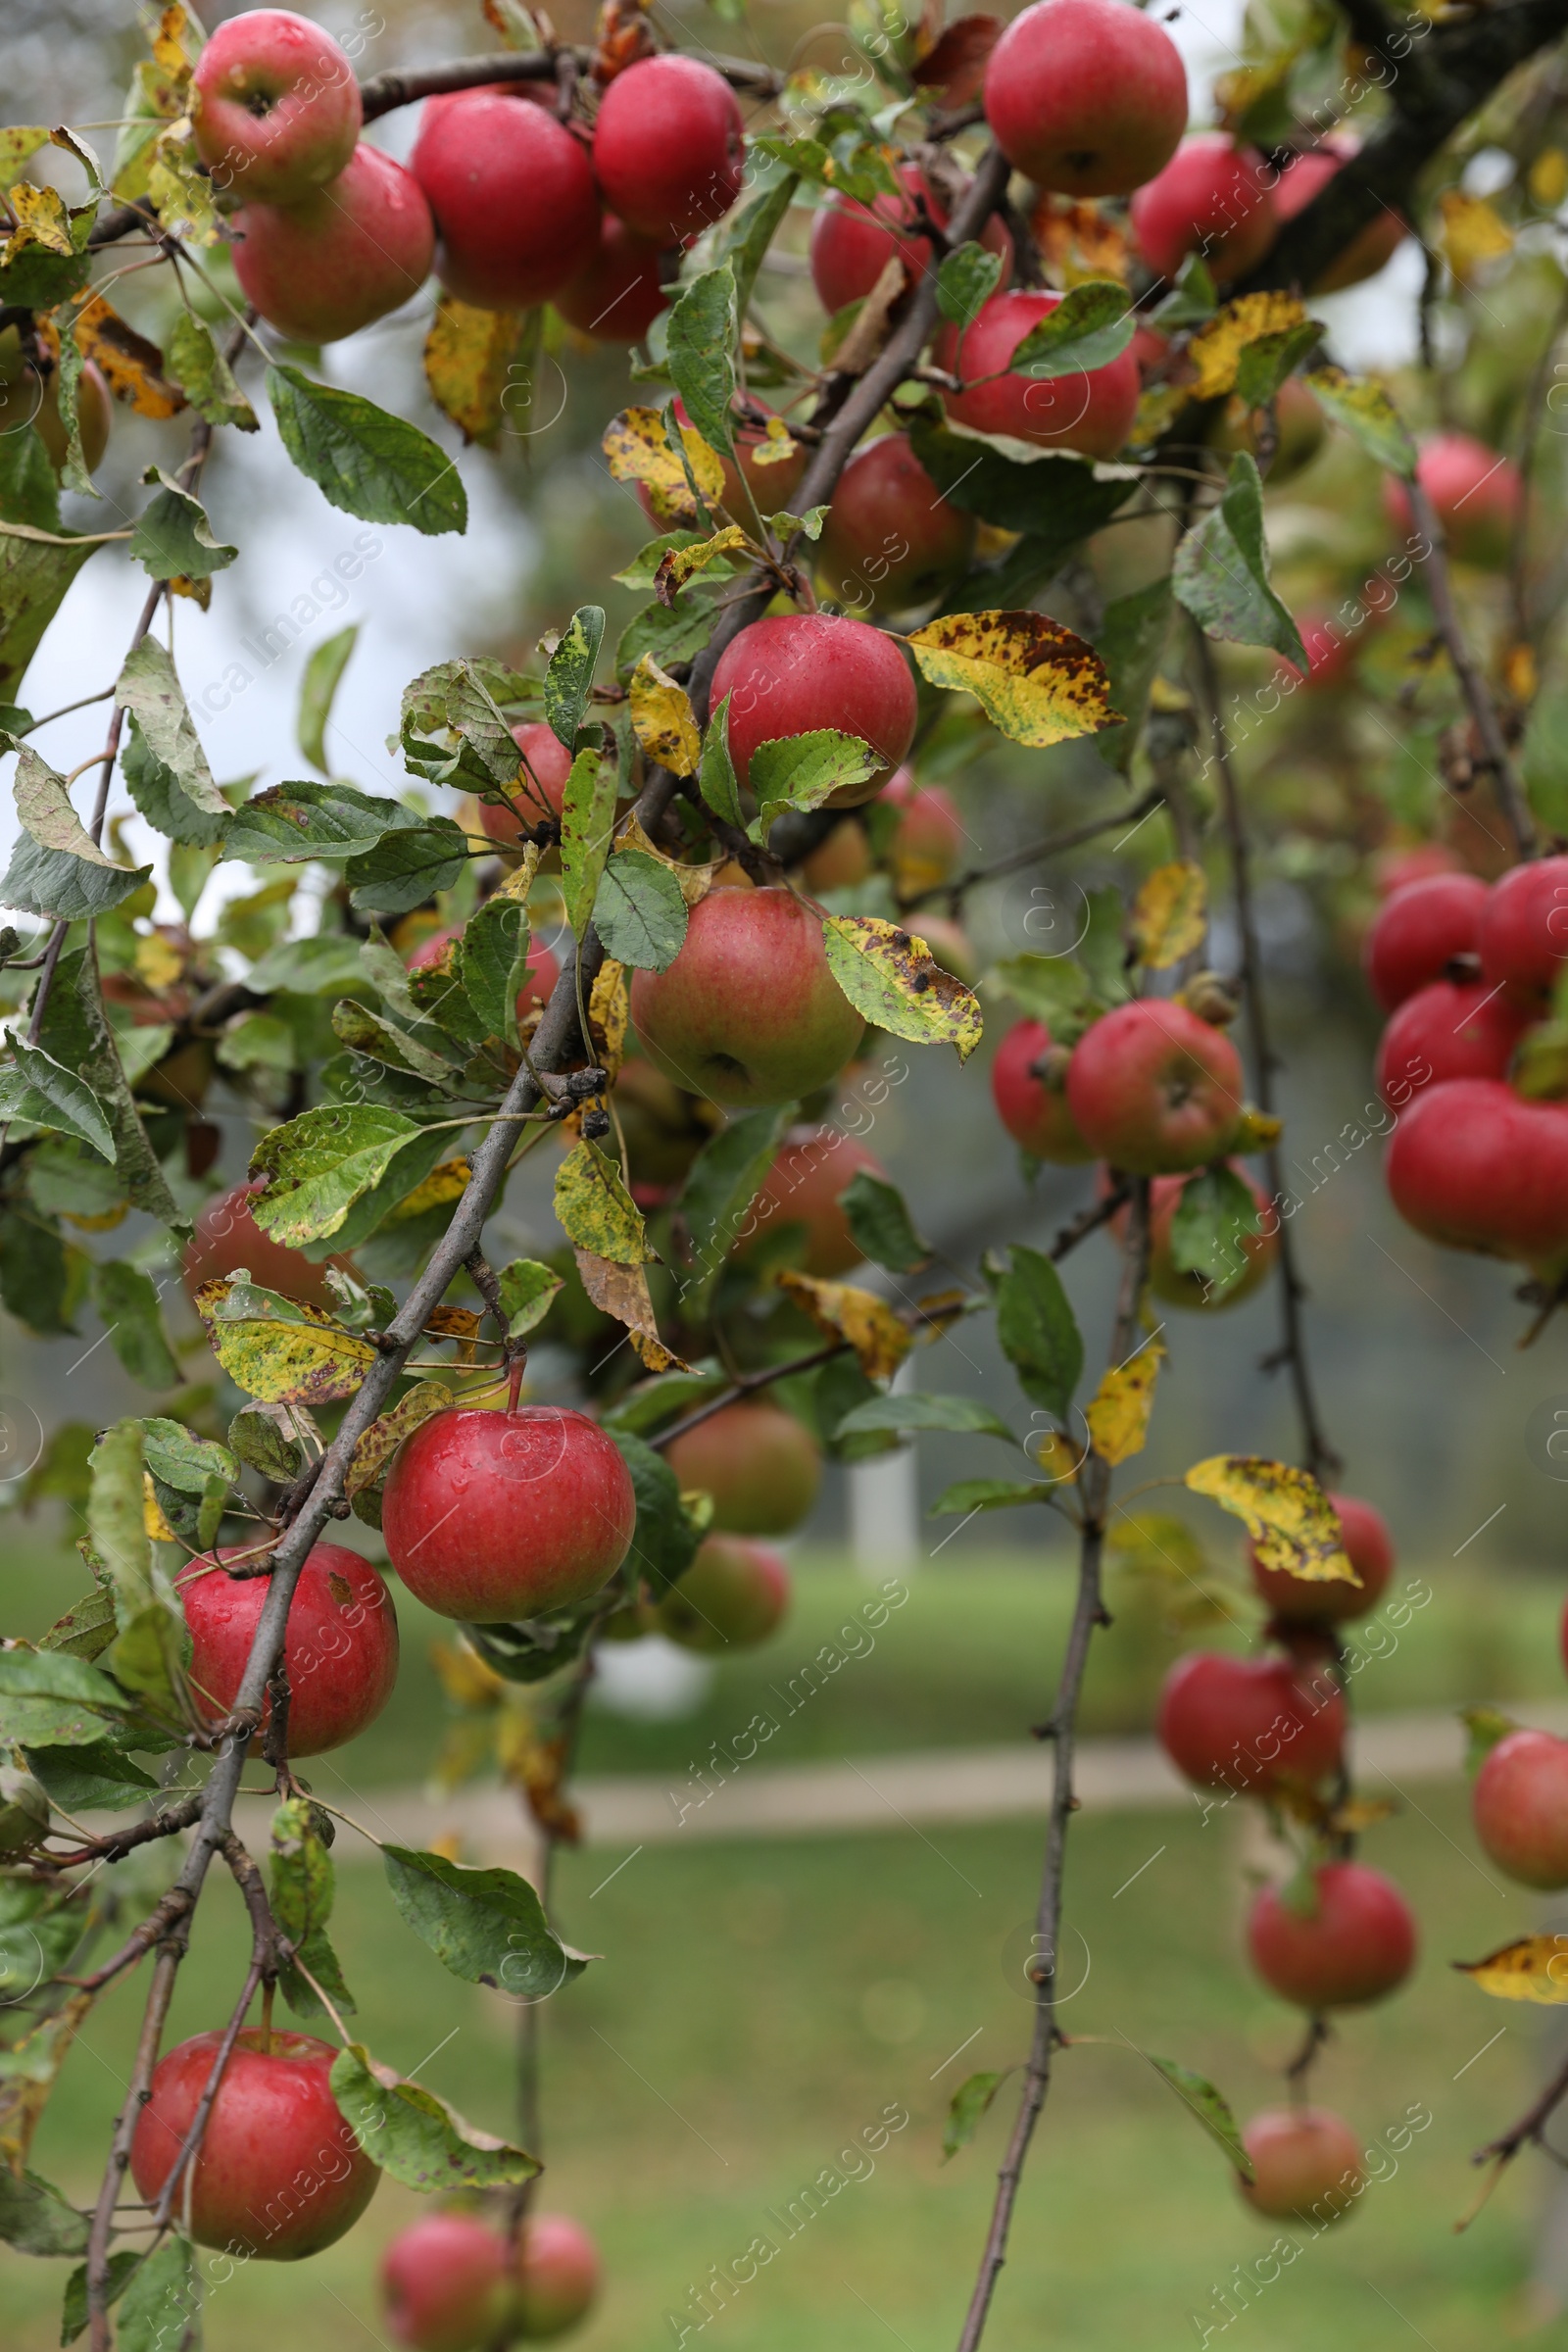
pixel 662 719
pixel 609 1014
pixel 843 1312
pixel 41 218
pixel 1216 349
pixel 132 367
pixel 1170 915
pixel 596 1210
pixel 636 450
pixel 1292 1522
pixel 519 881
pixel 680 564
pixel 462 1673
pixel 467 359
pixel 623 1292
pixel 1473 233
pixel 893 978
pixel 372 1455
pixel 449 1182
pixel 279 1349
pixel 1034 680
pixel 1534 1969
pixel 776 447
pixel 1118 1416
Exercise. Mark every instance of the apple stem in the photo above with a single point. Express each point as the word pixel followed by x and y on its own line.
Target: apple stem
pixel 514 1372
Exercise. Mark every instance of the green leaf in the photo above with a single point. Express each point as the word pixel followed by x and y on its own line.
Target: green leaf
pixel 801 771
pixel 881 1224
pixel 35 2218
pixel 290 823
pixel 1038 1332
pixel 892 978
pixel 156 791
pixel 721 1184
pixel 1264 365
pixel 587 819
pixel 38 1283
pixel 171 538
pixel 970 1495
pixel 49 1698
pixel 407 867
pixel 493 961
pixel 538 1647
pixel 1221 570
pixel 528 1291
pixel 486 1925
pixel 970 2103
pixel 363 460
pixel 148 689
pixel 715 773
pixel 699 355
pixel 43 805
pixel 417 2137
pixel 1198 2096
pixel 256 1437
pixel 159 2307
pixel 967 280
pixel 79 1780
pixel 1216 1212
pixel 73 2315
pixel 754 232
pixel 1052 989
pixel 308 967
pixel 568 681
pixel 1055 498
pixel 319 1164
pixel 35 576
pixel 674 633
pixel 29 491
pixel 370 1033
pixel 595 1209
pixel 1368 414
pixel 902 1412
pixel 127 1301
pixel 180 1459
pixel 1092 325
pixel 63 886
pixel 452 728
pixel 1130 642
pixel 1191 299
pixel 640 913
pixel 666 1538
pixel 324 673
pixel 301 1893
pixel 40 1091
pixel 114 1524
pixel 205 377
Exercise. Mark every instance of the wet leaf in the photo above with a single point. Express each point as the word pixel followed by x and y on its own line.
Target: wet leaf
pixel 416 2136
pixel 868 1324
pixel 279 1349
pixel 1534 1968
pixel 893 978
pixel 662 719
pixel 596 1210
pixel 1221 572
pixel 1035 681
pixel 1367 413
pixel 1170 915
pixel 1290 1520
pixel 1119 1413
pixel 468 366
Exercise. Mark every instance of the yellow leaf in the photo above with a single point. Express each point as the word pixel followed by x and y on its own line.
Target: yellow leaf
pixel 371 1457
pixel 1255 1130
pixel 519 881
pixel 894 979
pixel 1534 1969
pixel 623 1292
pixel 867 1323
pixel 176 42
pixel 1118 1417
pixel 446 1182
pixel 1520 672
pixel 158 961
pixel 696 881
pixel 1216 348
pixel 1359 1813
pixel 41 218
pixel 1170 915
pixel 465 1678
pixel 279 1349
pixel 152 1513
pixel 609 1012
pixel 1548 178
pixel 1034 680
pixel 132 367
pixel 662 719
pixel 180 193
pixel 1292 1522
pixel 1079 241
pixel 679 563
pixel 16 146
pixel 1473 233
pixel 596 1209
pixel 775 447
pixel 636 450
pixel 467 363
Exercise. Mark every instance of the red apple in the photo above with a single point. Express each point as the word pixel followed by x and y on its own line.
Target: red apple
pixel 1520 1804
pixel 514 198
pixel 798 671
pixel 760 1465
pixel 1369 1547
pixel 930 837
pixel 279 2175
pixel 343 257
pixel 1357 1944
pixel 732 1596
pixel 543 969
pixel 1523 932
pixel 1180 1287
pixel 445 2285
pixel 1154 1090
pixel 757 477
pixel 813 1167
pixel 492 1517
pixel 1475 1166
pixel 1091 412
pixel 227 1237
pixel 275 107
pixel 1034 1112
pixel 1252 1725
pixel 748 1012
pixel 619 296
pixel 1085 96
pixel 891 540
pixel 1213 199
pixel 539 794
pixel 852 243
pixel 1419 930
pixel 1330 653
pixel 1453 1029
pixel 340 1646
pixel 1307 2164
pixel 670 148
pixel 1371 249
pixel 1475 492
pixel 557 2276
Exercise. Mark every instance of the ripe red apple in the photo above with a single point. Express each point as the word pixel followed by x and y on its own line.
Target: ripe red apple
pixel 814 1165
pixel 275 107
pixel 760 1465
pixel 619 296
pixel 670 148
pixel 1369 1547
pixel 1250 1724
pixel 757 477
pixel 1357 1946
pixel 852 243
pixel 1371 249
pixel 748 1012
pixel 342 257
pixel 340 1646
pixel 891 541
pixel 491 1517
pixel 543 969
pixel 1306 2163
pixel 1085 96
pixel 1520 1804
pixel 931 833
pixel 279 2175
pixel 1475 1166
pixel 1091 412
pixel 1154 1090
pixel 226 1237
pixel 514 198
pixel 445 2283
pixel 1475 492
pixel 1212 199
pixel 1453 1029
pixel 1330 653
pixel 732 1596
pixel 1523 931
pixel 557 2276
pixel 1178 1286
pixel 28 397
pixel 1419 930
pixel 798 671
pixel 1035 1113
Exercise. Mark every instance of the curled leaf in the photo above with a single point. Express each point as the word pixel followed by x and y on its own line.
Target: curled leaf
pixel 623 1292
pixel 662 719
pixel 1292 1522
pixel 1534 1968
pixel 843 1312
pixel 372 1455
pixel 596 1209
pixel 1119 1413
pixel 1034 680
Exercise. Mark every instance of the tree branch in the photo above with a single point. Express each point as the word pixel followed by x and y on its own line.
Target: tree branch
pixel 1472 685
pixel 385 92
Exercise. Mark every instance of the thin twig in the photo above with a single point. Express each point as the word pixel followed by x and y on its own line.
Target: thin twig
pixel 1036 851
pixel 1472 685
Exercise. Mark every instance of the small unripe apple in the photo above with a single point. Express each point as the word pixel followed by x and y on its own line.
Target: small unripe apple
pixel 1090 410
pixel 1252 1725
pixel 748 1012
pixel 1212 199
pixel 931 834
pixel 1475 492
pixel 275 107
pixel 1520 1805
pixel 669 147
pixel 279 2175
pixel 1371 249
pixel 891 541
pixel 1452 1029
pixel 445 2285
pixel 27 397
pixel 852 243
pixel 1475 1166
pixel 514 198
pixel 340 1648
pixel 556 2278
pixel 732 1596
pixel 341 258
pixel 619 296
pixel 1368 1546
pixel 1085 96
pixel 813 1166
pixel 760 1465
pixel 226 1237
pixel 1419 930
pixel 1154 1090
pixel 1034 1111
pixel 1522 930
pixel 542 968
pixel 492 1517
pixel 1355 1947
pixel 1306 2163
pixel 800 671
